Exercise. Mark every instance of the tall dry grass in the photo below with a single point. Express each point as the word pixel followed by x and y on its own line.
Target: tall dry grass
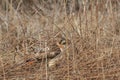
pixel 92 26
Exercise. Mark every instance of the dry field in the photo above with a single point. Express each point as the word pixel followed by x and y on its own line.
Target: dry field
pixel 91 29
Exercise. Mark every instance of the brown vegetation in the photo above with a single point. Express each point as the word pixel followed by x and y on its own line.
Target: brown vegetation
pixel 92 28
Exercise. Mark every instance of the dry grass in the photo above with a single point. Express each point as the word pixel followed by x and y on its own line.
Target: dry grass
pixel 26 26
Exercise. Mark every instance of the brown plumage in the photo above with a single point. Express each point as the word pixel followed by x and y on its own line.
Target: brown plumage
pixel 53 51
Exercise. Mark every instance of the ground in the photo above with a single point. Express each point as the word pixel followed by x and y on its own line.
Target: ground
pixel 92 34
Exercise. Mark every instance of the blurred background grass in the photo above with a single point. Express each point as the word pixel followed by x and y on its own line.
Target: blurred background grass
pixel 92 26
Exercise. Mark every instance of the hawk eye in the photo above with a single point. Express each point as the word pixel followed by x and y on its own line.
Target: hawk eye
pixel 63 42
